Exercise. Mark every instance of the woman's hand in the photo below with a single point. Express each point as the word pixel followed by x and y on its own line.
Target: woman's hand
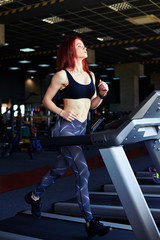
pixel 103 88
pixel 68 115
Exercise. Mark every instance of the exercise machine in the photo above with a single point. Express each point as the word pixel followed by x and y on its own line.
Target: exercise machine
pixel 141 125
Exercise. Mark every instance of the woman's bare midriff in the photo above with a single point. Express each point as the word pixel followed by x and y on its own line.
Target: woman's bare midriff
pixel 79 106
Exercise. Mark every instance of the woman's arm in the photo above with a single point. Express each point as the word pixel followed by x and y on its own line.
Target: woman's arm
pixel 58 82
pixel 103 89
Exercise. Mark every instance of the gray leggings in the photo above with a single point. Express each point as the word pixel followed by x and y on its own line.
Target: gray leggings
pixel 70 156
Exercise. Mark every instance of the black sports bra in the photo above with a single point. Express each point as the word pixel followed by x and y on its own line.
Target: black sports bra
pixel 75 90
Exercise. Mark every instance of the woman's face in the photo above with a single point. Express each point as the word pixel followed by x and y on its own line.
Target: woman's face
pixel 81 51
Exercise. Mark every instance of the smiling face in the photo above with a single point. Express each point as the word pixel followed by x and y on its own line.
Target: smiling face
pixel 81 51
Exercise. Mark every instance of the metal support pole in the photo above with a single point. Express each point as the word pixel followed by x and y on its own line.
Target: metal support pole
pixel 31 118
pixel 153 147
pixel 20 123
pixel 48 119
pixel 130 194
pixel 12 123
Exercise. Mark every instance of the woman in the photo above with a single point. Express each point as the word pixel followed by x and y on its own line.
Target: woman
pixel 77 86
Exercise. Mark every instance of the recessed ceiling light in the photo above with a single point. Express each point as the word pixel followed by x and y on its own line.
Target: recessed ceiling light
pixel 100 39
pixel 2 2
pixel 27 50
pixel 116 78
pixel 51 74
pixel 53 20
pixel 24 61
pixel 31 71
pixel 106 38
pixel 120 6
pixel 54 57
pixel 43 65
pixel 109 69
pixel 103 75
pixel 92 65
pixel 142 76
pixel 131 48
pixel 146 19
pixel 145 54
pixel 14 68
pixel 82 30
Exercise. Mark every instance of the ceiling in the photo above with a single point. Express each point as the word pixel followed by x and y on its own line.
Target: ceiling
pixel 125 42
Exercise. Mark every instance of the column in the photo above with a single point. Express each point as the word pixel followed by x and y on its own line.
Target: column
pixel 155 80
pixel 129 84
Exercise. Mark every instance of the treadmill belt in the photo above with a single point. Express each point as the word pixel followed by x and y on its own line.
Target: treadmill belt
pixel 114 201
pixel 50 229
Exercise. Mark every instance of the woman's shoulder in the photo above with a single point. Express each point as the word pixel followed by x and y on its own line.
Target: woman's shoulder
pixel 60 77
pixel 60 73
pixel 93 76
pixel 91 73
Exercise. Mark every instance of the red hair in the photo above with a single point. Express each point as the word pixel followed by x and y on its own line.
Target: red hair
pixel 66 54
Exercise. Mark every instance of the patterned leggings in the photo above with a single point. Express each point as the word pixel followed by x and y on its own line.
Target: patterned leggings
pixel 70 156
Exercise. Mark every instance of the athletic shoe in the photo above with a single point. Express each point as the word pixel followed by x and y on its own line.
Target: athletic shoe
pixel 96 228
pixel 35 205
pixel 155 175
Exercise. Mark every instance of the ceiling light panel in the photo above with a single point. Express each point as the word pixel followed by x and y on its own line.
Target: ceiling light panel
pixel 120 6
pixel 146 19
pixel 24 61
pixel 43 65
pixel 157 30
pixel 3 2
pixel 52 20
pixel 131 48
pixel 106 38
pixel 145 54
pixel 32 71
pixel 82 30
pixel 14 68
pixel 27 50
